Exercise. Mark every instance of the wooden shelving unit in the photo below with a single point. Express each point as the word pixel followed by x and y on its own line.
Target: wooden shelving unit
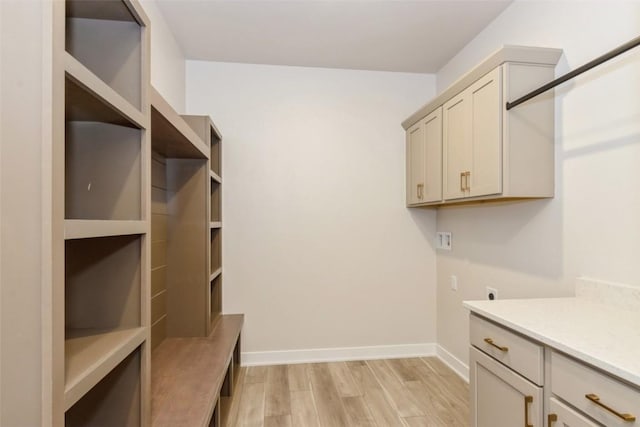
pixel 104 158
pixel 209 133
pixel 180 225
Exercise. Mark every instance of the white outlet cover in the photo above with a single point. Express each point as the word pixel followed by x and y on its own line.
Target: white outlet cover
pixel 444 240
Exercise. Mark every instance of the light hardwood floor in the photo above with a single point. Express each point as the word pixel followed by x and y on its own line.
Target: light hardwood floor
pixel 395 393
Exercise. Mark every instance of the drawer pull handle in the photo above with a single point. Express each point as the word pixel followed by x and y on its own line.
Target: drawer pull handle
pixel 491 343
pixel 527 401
pixel 552 418
pixel 420 191
pixel 596 399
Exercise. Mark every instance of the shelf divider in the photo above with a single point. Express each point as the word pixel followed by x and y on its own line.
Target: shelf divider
pixel 215 274
pixel 91 83
pixel 83 229
pixel 214 176
pixel 90 354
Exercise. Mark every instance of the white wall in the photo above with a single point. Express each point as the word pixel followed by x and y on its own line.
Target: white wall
pixel 592 226
pixel 319 250
pixel 167 59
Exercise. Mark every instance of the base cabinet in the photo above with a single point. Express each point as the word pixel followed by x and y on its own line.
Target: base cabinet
pixel 500 397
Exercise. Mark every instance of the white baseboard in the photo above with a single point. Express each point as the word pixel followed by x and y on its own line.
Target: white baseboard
pixel 454 363
pixel 257 358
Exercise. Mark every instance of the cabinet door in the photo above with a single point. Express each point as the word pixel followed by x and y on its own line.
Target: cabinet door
pixel 500 397
pixel 561 415
pixel 456 129
pixel 415 164
pixel 433 156
pixel 485 98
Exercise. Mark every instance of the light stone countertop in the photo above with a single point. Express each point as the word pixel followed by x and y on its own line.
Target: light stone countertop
pixel 604 335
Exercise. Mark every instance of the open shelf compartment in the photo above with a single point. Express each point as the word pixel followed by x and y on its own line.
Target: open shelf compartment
pixel 116 400
pixel 107 38
pixel 102 172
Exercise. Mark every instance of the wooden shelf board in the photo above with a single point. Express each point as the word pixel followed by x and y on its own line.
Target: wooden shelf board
pixel 91 99
pixel 188 373
pixel 214 176
pixel 83 229
pixel 99 9
pixel 171 136
pixel 215 130
pixel 215 224
pixel 90 354
pixel 215 274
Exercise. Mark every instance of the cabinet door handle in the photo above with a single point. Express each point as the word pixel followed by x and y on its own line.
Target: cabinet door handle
pixel 527 401
pixel 499 347
pixel 420 192
pixel 467 175
pixel 462 186
pixel 596 399
pixel 552 418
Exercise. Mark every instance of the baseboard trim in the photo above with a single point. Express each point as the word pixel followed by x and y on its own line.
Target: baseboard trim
pixel 259 358
pixel 453 362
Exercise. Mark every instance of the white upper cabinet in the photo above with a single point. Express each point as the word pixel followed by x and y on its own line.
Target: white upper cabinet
pixel 486 151
pixel 424 160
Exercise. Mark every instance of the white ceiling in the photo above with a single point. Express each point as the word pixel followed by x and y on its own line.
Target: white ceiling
pixel 396 35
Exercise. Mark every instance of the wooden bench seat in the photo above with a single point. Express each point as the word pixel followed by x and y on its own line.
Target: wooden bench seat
pixel 188 375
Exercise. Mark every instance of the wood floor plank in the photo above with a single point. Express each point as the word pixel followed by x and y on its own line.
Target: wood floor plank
pixel 418 421
pixel 298 377
pixel 343 380
pixel 278 421
pixel 381 408
pixel 405 368
pixel 328 403
pixel 251 411
pixel 277 399
pixel 303 409
pixel 404 402
pixel 362 376
pixel 235 401
pixel 357 411
pixel 256 374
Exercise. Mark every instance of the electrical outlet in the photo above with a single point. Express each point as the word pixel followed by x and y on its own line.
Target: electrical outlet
pixel 453 280
pixel 444 240
pixel 492 293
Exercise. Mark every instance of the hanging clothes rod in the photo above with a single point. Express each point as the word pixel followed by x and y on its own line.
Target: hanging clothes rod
pixel 586 67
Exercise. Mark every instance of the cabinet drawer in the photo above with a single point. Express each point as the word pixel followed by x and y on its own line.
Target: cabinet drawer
pixel 573 381
pixel 520 354
pixel 561 415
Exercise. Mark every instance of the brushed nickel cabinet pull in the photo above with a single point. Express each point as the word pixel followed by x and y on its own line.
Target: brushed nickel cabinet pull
pixel 527 401
pixel 420 191
pixel 596 399
pixel 467 175
pixel 491 343
pixel 552 418
pixel 462 187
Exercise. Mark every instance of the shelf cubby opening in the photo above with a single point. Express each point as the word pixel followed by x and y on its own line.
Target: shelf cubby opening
pixel 102 171
pixel 215 299
pixel 216 214
pixel 216 249
pixel 102 283
pixel 214 155
pixel 114 401
pixel 107 39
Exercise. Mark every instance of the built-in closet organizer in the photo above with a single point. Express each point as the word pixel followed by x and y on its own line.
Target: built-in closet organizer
pixel 102 161
pixel 465 146
pixel 196 349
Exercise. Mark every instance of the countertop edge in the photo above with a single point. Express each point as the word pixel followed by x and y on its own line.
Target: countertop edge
pixel 578 354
